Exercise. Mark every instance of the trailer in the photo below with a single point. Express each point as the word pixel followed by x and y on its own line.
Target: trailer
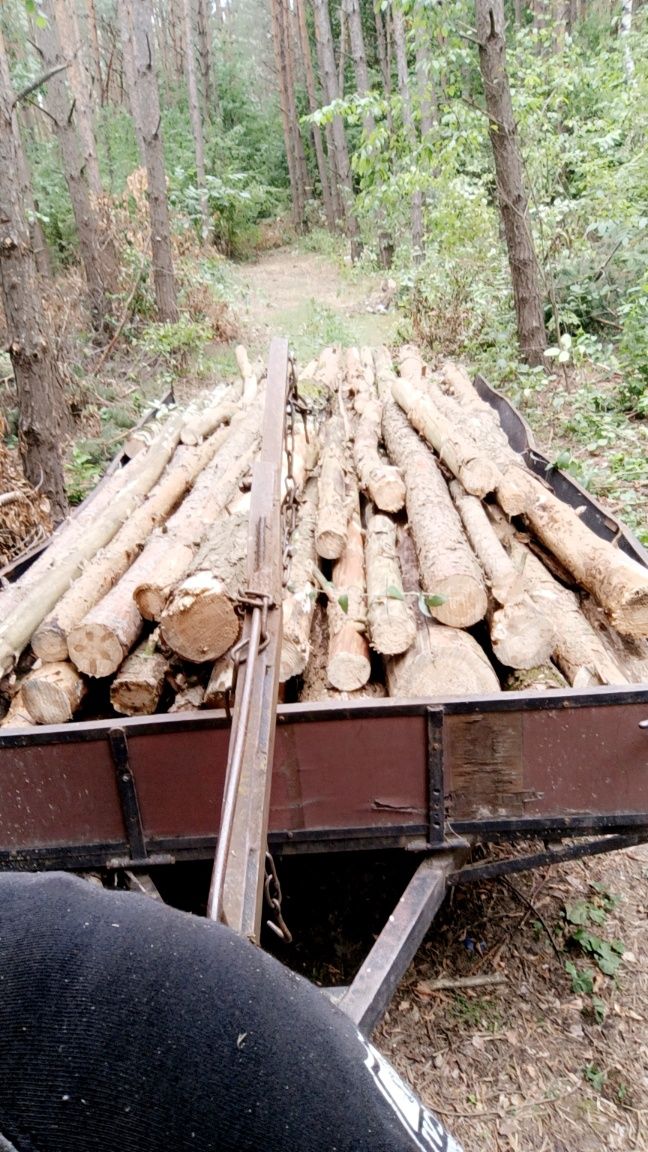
pixel 428 778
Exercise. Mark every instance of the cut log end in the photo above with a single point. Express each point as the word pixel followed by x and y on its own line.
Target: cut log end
pixel 49 643
pixel 95 649
pixel 522 636
pixel 150 600
pixel 391 636
pixel 388 490
pixel 53 694
pixel 347 671
pixel 465 601
pixel 200 622
pixel 294 658
pixel 330 545
pixel 630 614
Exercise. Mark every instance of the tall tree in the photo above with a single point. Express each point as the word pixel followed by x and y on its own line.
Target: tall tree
pixel 512 195
pixel 341 162
pixel 136 19
pixel 206 59
pixel 98 254
pixel 41 398
pixel 196 121
pixel 288 115
pixel 400 44
pixel 318 144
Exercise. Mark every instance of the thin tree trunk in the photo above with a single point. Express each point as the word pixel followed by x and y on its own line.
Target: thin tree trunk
pixel 41 399
pixel 205 60
pixel 329 209
pixel 298 144
pixel 426 90
pixel 523 262
pixel 279 41
pixel 137 27
pixel 324 40
pixel 398 22
pixel 196 122
pixel 70 41
pixel 92 40
pixel 97 255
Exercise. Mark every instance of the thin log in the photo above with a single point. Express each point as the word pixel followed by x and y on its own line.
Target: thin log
pixel 522 636
pixel 579 652
pixel 105 636
pixel 301 590
pixel 200 621
pixel 449 569
pixel 442 661
pixel 316 685
pixel 476 471
pixel 138 685
pixel 102 521
pixel 52 694
pixel 390 617
pixel 333 499
pixel 248 375
pixel 203 424
pixel 618 583
pixel 189 699
pixel 167 558
pixel 348 666
pixel 382 482
pixel 50 640
pixel 630 653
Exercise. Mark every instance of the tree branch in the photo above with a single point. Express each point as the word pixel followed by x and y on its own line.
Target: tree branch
pixel 22 95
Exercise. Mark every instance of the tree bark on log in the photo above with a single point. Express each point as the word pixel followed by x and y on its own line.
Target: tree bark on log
pixel 448 566
pixel 476 471
pixel 168 556
pixel 199 427
pixel 138 685
pixel 442 661
pixel 249 377
pixel 522 636
pixel 333 499
pixel 49 642
pixel 220 683
pixel 200 621
pixel 381 481
pixel 630 653
pixel 618 583
pixel 579 652
pixel 301 590
pixel 390 617
pixel 55 578
pixel 348 666
pixel 52 694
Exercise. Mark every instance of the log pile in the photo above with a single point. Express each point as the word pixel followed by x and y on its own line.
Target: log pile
pixel 424 560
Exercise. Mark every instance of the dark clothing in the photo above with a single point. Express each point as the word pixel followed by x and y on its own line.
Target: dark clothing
pixel 128 1026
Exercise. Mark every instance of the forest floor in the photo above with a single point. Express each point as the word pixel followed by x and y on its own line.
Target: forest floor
pixel 555 1058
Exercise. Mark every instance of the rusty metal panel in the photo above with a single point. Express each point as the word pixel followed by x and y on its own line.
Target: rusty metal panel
pixel 368 771
pixel 179 778
pixel 58 794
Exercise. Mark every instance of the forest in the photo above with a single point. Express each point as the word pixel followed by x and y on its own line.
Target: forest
pixel 145 146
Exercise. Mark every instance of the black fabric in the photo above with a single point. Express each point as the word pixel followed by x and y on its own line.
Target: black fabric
pixel 126 1025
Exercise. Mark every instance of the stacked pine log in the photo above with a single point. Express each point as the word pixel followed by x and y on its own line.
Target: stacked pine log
pixel 426 560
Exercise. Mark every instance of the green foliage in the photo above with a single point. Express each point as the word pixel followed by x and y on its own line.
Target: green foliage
pixel 171 341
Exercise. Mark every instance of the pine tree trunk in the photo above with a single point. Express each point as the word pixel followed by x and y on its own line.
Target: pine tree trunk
pixel 329 208
pixel 298 143
pixel 196 122
pixel 41 399
pixel 205 59
pixel 292 158
pixel 326 55
pixel 523 262
pixel 625 29
pixel 69 38
pixel 92 40
pixel 400 43
pixel 136 24
pixel 97 256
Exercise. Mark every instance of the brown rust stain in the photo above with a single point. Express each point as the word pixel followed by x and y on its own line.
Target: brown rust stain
pixel 484 765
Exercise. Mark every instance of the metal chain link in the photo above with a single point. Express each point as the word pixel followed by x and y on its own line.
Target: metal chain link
pixel 273 896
